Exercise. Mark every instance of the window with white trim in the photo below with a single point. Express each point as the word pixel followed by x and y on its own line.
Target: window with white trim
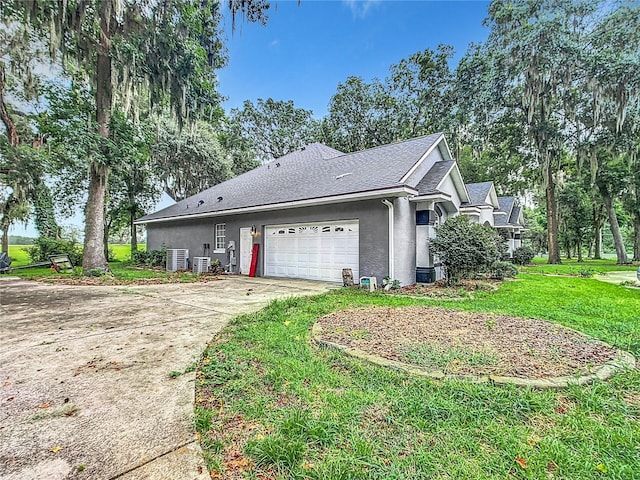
pixel 220 238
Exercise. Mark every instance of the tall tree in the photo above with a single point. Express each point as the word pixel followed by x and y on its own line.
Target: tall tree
pixel 537 42
pixel 489 135
pixel 575 212
pixel 420 86
pixel 610 113
pixel 134 186
pixel 357 117
pixel 274 128
pixel 170 48
pixel 190 160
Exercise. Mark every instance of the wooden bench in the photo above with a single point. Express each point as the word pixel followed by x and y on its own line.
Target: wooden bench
pixel 61 262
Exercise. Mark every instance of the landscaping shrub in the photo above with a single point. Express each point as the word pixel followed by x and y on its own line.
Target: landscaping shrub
pixel 466 249
pixel 151 258
pixel 523 255
pixel 502 270
pixel 43 247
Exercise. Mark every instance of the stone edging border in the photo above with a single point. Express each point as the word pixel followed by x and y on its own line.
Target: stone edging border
pixel 622 361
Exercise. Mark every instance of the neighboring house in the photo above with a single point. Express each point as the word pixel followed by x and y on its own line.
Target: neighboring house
pixel 503 213
pixel 316 211
pixel 509 220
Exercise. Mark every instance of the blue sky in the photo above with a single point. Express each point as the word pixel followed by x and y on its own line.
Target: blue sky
pixel 306 49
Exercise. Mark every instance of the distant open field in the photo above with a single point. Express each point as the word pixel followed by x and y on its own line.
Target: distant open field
pixel 19 255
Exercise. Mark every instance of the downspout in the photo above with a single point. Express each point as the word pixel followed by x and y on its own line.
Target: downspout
pixel 391 222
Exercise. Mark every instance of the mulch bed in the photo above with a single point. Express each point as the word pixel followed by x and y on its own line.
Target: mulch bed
pixel 518 347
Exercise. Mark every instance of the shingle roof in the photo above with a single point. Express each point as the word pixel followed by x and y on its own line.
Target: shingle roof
pixel 434 176
pixel 506 204
pixel 307 174
pixel 507 214
pixel 478 193
pixel 314 151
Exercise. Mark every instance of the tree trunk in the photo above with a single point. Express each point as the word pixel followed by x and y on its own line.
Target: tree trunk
pixel 552 215
pixel 12 132
pixel 5 239
pixel 105 239
pixel 636 237
pixel 597 232
pixel 579 250
pixel 94 257
pixel 134 233
pixel 621 254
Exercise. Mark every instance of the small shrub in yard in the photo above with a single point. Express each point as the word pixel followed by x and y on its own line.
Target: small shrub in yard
pixel 96 272
pixel 43 247
pixel 523 255
pixel 466 249
pixel 151 258
pixel 502 270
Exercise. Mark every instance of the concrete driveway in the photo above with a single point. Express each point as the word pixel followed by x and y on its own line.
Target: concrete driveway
pixel 85 384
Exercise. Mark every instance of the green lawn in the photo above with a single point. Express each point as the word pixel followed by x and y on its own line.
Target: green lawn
pixel 312 413
pixel 19 256
pixel 120 268
pixel 572 267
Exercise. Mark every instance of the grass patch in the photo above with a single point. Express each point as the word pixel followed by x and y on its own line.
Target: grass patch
pixel 447 359
pixel 283 408
pixel 18 255
pixel 122 272
pixel 587 268
pixel 121 269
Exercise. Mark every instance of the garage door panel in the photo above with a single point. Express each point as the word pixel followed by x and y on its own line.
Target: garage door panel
pixel 316 251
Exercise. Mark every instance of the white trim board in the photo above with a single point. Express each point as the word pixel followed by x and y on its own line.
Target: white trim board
pixel 350 197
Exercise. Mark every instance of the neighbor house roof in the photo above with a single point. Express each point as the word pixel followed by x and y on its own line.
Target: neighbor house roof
pixel 506 204
pixel 316 172
pixel 507 215
pixel 478 193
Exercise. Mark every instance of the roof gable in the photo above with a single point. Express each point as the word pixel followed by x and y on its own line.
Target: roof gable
pixel 508 213
pixel 483 193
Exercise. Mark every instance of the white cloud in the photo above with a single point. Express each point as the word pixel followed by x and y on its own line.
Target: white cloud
pixel 360 8
pixel 274 43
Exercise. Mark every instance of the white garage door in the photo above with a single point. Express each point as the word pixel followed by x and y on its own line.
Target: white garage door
pixel 315 251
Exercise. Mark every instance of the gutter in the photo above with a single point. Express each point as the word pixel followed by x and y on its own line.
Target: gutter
pixel 391 222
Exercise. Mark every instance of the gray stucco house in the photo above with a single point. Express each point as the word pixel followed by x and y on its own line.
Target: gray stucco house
pixel 316 211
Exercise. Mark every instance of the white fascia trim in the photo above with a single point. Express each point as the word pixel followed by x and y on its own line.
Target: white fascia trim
pixel 433 197
pixel 446 144
pixel 457 181
pixel 470 210
pixel 391 245
pixel 422 159
pixel 494 196
pixel 350 197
